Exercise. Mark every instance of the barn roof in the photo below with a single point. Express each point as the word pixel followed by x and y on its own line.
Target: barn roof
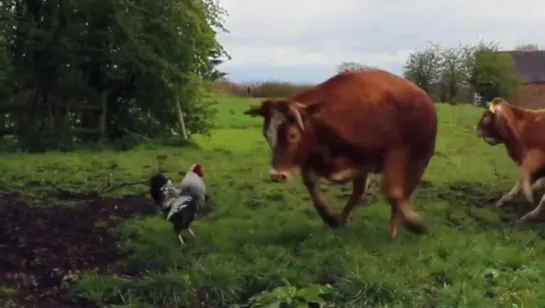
pixel 529 65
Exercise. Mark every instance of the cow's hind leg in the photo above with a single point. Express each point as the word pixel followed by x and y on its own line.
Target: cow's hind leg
pixel 539 184
pixel 401 176
pixel 359 186
pixel 312 184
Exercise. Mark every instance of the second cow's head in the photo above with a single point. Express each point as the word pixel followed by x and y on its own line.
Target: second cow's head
pixel 284 127
pixel 492 126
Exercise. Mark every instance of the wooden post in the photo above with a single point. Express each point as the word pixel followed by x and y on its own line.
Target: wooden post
pixel 181 119
pixel 103 97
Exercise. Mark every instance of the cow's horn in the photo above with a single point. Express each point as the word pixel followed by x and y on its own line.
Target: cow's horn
pixel 298 117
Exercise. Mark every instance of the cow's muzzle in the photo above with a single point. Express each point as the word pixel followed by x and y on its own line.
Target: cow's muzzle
pixel 491 141
pixel 481 134
pixel 478 132
pixel 279 176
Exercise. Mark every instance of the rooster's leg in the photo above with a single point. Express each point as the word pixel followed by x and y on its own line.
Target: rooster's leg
pixel 181 239
pixel 191 232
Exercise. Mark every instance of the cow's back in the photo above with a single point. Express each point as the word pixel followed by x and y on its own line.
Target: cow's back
pixel 374 112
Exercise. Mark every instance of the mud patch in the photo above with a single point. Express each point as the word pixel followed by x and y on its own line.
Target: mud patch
pixel 476 198
pixel 44 247
pixel 483 196
pixel 469 194
pixel 470 200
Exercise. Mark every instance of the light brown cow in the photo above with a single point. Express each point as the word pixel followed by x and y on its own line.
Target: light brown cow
pixel 349 126
pixel 522 131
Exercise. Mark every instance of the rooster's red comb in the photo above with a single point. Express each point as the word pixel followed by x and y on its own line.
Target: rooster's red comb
pixel 197 169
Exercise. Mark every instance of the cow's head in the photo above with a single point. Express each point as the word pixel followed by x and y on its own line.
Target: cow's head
pixel 491 126
pixel 284 126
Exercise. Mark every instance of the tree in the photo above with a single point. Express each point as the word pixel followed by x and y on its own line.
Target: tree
pixel 452 72
pixel 527 47
pixel 131 61
pixel 469 55
pixel 214 74
pixel 423 67
pixel 492 74
pixel 482 67
pixel 5 70
pixel 353 67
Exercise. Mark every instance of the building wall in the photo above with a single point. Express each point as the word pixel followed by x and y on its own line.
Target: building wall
pixel 530 95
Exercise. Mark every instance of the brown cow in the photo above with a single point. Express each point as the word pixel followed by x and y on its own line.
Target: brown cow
pixel 522 131
pixel 352 125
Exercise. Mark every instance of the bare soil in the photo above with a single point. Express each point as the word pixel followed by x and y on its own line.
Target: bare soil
pixel 42 247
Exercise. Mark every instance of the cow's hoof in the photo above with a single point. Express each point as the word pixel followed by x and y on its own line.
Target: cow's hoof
pixel 418 229
pixel 415 225
pixel 523 220
pixel 336 222
pixel 500 203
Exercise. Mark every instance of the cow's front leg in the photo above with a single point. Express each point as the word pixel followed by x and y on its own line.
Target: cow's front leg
pixel 533 161
pixel 515 191
pixel 359 187
pixel 535 213
pixel 312 181
pixel 538 186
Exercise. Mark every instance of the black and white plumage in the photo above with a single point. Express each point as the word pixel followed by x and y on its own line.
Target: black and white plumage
pixel 193 185
pixel 180 206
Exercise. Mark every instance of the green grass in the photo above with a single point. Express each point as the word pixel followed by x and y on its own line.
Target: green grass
pixel 230 111
pixel 261 236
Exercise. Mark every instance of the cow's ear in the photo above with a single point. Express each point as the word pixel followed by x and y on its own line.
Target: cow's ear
pixel 314 108
pixel 495 106
pixel 255 110
pixel 309 109
pixel 497 100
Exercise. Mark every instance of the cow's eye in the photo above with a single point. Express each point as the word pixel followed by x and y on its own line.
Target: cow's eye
pixel 292 136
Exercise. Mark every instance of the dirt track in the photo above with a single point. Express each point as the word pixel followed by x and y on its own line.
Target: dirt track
pixel 41 247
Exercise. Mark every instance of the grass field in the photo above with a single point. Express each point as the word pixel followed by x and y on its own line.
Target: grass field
pixel 261 236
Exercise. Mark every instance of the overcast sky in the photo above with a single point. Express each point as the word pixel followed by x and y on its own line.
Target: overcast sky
pixel 304 40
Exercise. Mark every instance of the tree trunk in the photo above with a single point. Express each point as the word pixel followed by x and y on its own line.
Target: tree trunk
pixel 3 124
pixel 183 131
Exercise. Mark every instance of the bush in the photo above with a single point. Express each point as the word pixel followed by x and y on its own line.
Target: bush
pixel 260 89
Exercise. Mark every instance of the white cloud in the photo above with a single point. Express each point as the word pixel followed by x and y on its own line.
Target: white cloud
pixel 323 33
pixel 293 55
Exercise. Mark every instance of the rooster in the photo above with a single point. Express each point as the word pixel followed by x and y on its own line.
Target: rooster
pixel 180 205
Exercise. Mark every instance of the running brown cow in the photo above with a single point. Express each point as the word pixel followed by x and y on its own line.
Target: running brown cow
pixel 352 125
pixel 522 131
